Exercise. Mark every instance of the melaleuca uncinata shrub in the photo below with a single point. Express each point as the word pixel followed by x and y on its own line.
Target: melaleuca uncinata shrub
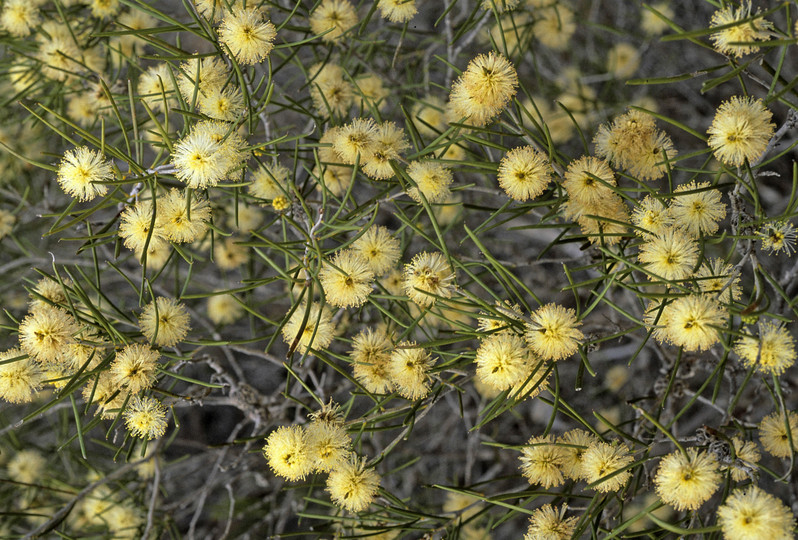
pixel 398 269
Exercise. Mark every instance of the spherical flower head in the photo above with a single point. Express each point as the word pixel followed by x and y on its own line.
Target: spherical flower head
pixel 7 221
pixel 379 248
pixel 746 458
pixel 224 309
pixel 27 467
pixel 719 280
pixel 554 334
pixel 524 173
pixel 269 182
pixel 230 253
pixel 107 393
pixel 183 221
pixel 330 91
pixel 484 89
pixel 329 445
pixel 697 208
pixel 347 279
pixel 318 331
pixel 427 276
pixel 333 18
pixel 771 350
pixel 81 172
pixel 358 138
pixel 652 24
pixel 686 481
pixel 774 436
pixel 740 131
pixel 409 369
pixel 502 360
pixel 554 26
pixel 601 460
pixel 146 418
pixel 247 35
pixel 371 352
pixel 428 116
pixel 198 162
pixel 541 460
pixel 778 236
pixel 49 291
pixel 352 485
pixel 548 523
pixel 651 217
pixel 201 76
pixel 288 453
pixel 135 367
pixel 752 514
pixel 140 228
pixel 389 143
pixel 693 321
pixel 739 39
pixel 397 11
pixel 670 256
pixel 432 181
pixel 574 444
pixel 372 88
pixel 588 180
pixel 623 60
pixel 19 17
pixel 164 322
pixel 20 379
pixel 45 333
pixel 157 88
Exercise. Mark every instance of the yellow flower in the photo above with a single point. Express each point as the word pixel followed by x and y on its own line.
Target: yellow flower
pixel 554 334
pixel 346 279
pixel 82 172
pixel 288 453
pixel 623 60
pixel 746 458
pixel 601 460
pixel 106 393
pixel 247 35
pixel 224 309
pixel 164 322
pixel 333 17
pixel 207 155
pixel 719 280
pixel 180 222
pixel 685 482
pixel 502 360
pixel 485 87
pixel 371 88
pixel 146 418
pixel 428 115
pixel 230 253
pixel 269 182
pixel 501 5
pixel 651 24
pixel 754 514
pixel 541 460
pixel 352 485
pixel 547 523
pixel 428 276
pixel 329 90
pixel 45 333
pixel 156 87
pixel 574 444
pixel 774 436
pixel 27 466
pixel 693 321
pixel 19 379
pixel 670 256
pixel 554 26
pixel 103 8
pixel 779 236
pixel 432 180
pixel 697 209
pixel 651 217
pixel 371 352
pixel 524 173
pixel 409 370
pixel 397 11
pixel 587 181
pixel 771 351
pixel 135 367
pixel 200 76
pixel 7 221
pixel 318 331
pixel 329 445
pixel 140 228
pixel 379 248
pixel 19 17
pixel 389 142
pixel 732 41
pixel 740 131
pixel 358 138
